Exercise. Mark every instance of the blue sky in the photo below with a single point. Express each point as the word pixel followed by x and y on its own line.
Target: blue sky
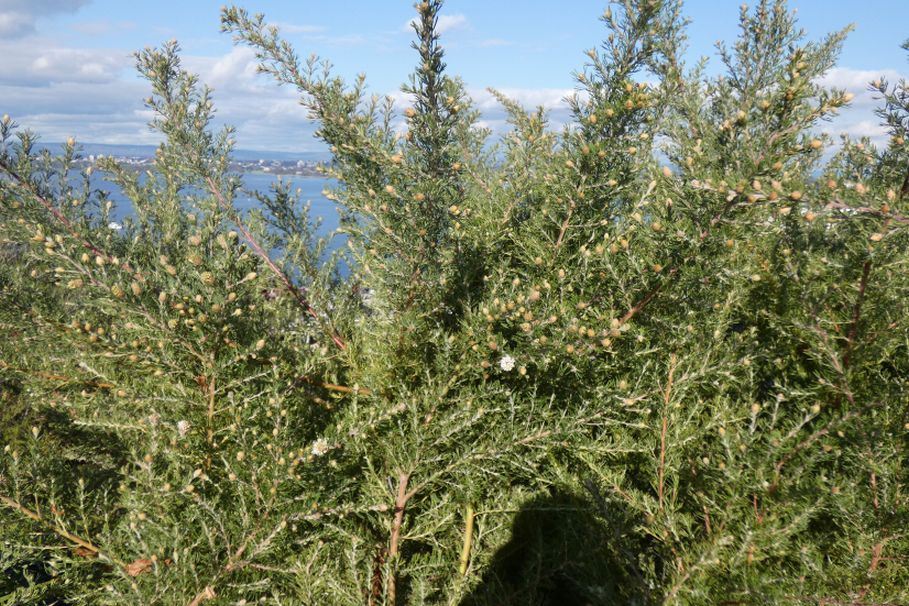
pixel 67 67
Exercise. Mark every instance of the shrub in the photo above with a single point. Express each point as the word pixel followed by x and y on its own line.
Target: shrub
pixel 657 356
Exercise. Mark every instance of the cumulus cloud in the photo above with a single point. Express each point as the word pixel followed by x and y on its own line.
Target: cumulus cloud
pixel 450 22
pixel 858 120
pixel 18 17
pixel 43 63
pixel 91 94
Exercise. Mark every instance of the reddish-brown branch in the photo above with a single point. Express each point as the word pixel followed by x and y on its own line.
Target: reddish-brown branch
pixel 50 208
pixel 52 377
pixel 564 227
pixel 59 216
pixel 257 248
pixel 647 299
pixel 809 441
pixel 86 546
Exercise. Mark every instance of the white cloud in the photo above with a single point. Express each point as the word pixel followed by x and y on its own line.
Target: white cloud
pixel 93 95
pixel 450 22
pixel 858 120
pixel 18 17
pixel 234 71
pixel 41 63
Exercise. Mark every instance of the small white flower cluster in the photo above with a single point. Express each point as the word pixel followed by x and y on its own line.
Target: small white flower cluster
pixel 114 226
pixel 183 428
pixel 320 447
pixel 506 363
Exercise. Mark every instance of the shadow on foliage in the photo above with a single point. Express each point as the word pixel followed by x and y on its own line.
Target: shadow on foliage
pixel 566 550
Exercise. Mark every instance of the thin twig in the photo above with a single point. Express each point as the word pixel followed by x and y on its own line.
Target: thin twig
pixel 468 539
pixel 295 292
pixel 865 210
pixel 72 538
pixel 333 387
pixel 564 228
pixel 400 504
pixel 811 440
pixel 52 377
pixel 647 298
pixel 61 218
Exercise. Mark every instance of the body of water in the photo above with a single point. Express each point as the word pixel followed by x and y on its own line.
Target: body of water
pixel 308 190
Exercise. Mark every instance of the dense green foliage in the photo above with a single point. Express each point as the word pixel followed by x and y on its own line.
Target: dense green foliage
pixel 657 357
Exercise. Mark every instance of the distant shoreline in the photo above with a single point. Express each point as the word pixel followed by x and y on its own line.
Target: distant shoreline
pixel 276 168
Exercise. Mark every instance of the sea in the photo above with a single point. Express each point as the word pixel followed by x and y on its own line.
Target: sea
pixel 308 188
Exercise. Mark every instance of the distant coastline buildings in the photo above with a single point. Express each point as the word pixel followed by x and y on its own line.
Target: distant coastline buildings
pixel 298 168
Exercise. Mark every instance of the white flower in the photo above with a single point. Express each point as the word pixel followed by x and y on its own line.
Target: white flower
pixel 114 226
pixel 506 363
pixel 182 428
pixel 319 447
